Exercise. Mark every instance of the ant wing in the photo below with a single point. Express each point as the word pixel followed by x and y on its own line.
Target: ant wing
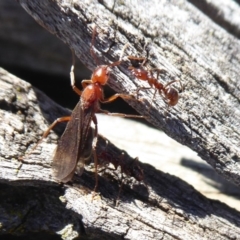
pixel 58 170
pixel 87 134
pixel 86 152
pixel 68 150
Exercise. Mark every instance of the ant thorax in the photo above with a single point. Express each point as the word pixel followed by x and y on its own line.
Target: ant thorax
pixel 92 93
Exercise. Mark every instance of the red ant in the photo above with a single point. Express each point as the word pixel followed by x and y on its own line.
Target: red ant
pixel 169 93
pixel 78 142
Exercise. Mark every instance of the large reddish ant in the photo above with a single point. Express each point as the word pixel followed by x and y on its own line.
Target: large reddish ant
pixel 170 93
pixel 78 142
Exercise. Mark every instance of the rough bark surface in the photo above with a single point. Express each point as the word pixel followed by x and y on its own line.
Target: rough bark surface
pixel 202 55
pixel 190 47
pixel 161 207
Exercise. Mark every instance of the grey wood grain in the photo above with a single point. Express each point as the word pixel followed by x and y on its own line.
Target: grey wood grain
pixel 162 206
pixel 192 48
pixel 183 41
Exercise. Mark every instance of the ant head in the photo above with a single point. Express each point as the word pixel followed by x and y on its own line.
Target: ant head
pixel 101 74
pixel 172 96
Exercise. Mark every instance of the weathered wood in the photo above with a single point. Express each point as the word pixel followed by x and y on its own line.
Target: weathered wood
pixel 224 13
pixel 206 118
pixel 162 207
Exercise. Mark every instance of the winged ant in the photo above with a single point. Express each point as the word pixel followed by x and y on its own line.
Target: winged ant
pixel 78 142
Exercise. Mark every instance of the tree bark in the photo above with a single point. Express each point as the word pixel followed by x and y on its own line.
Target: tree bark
pixel 190 47
pixel 206 118
pixel 162 206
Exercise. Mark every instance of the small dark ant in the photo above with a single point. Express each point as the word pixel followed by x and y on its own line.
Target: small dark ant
pixel 129 166
pixel 78 141
pixel 170 93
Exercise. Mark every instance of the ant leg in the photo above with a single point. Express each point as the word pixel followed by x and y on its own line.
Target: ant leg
pixel 112 98
pixel 146 88
pixel 72 75
pixel 119 114
pixel 94 54
pixel 151 104
pixel 115 96
pixel 120 58
pixel 141 88
pixel 85 83
pixel 173 81
pixel 159 71
pixel 46 133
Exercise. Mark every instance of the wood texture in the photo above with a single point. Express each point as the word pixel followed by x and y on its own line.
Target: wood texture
pixel 162 206
pixel 192 48
pixel 197 51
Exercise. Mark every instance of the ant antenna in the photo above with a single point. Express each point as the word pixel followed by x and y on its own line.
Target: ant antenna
pixel 92 44
pixel 113 6
pixel 121 56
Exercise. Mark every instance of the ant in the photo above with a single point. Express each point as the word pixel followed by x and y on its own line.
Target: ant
pixel 170 93
pixel 78 142
pixel 129 166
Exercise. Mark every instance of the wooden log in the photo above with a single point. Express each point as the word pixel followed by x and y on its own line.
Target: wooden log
pixel 162 206
pixel 191 48
pixel 206 118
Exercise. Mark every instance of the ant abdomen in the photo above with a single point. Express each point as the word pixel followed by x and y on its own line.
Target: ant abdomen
pixel 172 96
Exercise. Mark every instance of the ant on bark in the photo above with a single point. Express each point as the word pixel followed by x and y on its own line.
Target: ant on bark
pixel 78 142
pixel 170 93
pixel 129 166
